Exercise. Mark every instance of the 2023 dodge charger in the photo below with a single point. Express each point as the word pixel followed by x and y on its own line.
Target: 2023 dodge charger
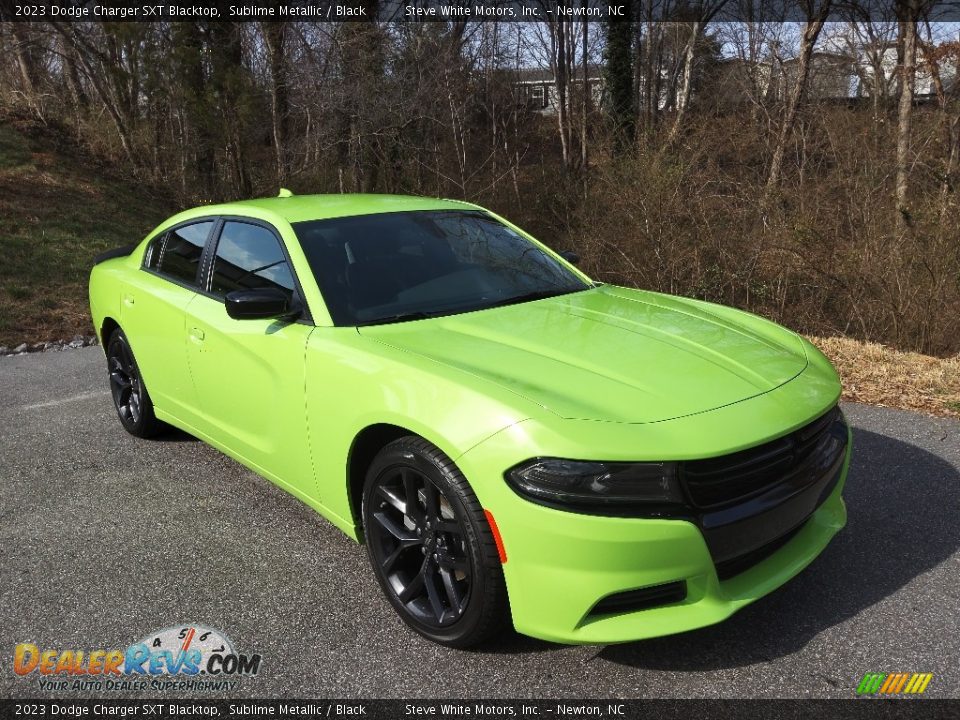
pixel 511 440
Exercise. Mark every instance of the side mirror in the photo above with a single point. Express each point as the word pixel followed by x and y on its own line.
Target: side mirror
pixel 260 304
pixel 571 257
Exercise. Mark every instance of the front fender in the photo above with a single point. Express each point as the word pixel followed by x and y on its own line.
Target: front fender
pixel 353 383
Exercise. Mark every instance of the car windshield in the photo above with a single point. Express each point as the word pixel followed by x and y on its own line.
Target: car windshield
pixel 399 266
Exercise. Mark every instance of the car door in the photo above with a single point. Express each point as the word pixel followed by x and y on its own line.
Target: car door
pixel 249 374
pixel 152 313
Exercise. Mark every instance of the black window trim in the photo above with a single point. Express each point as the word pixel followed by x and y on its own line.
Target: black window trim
pixel 202 281
pixel 210 254
pixel 160 241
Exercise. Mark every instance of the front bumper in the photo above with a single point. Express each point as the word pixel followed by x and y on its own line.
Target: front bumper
pixel 561 564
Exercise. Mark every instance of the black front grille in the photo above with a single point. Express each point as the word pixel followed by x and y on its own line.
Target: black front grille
pixel 736 565
pixel 642 598
pixel 735 478
pixel 751 503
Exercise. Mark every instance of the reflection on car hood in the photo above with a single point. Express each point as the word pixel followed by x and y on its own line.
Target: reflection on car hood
pixel 610 353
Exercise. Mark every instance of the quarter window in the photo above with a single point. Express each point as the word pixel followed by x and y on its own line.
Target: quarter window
pixel 182 250
pixel 250 257
pixel 153 252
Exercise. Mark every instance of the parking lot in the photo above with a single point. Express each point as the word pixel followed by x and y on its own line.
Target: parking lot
pixel 107 538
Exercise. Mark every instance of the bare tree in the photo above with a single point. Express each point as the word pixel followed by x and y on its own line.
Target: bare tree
pixel 909 13
pixel 92 59
pixel 703 12
pixel 274 36
pixel 817 13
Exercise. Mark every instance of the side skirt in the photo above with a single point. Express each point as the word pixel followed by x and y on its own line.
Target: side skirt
pixel 347 526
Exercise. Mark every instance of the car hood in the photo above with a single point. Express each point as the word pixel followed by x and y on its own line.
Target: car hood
pixel 611 354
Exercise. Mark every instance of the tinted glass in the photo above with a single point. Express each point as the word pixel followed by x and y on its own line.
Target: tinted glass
pixel 248 257
pixel 181 253
pixel 153 252
pixel 397 266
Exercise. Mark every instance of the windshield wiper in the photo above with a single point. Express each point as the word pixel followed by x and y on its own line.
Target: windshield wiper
pixel 398 318
pixel 527 297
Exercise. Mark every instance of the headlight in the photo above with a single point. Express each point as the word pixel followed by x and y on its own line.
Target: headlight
pixel 604 487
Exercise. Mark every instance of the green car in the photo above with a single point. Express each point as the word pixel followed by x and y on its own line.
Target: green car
pixel 513 443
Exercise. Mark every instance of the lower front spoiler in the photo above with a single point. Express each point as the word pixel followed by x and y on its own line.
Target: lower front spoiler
pixel 554 585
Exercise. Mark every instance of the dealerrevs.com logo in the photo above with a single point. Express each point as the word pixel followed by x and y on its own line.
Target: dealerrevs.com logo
pixel 186 657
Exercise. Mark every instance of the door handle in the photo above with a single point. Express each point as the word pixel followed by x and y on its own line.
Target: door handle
pixel 196 334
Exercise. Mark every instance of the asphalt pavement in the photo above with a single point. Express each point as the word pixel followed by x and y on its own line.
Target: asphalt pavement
pixel 106 538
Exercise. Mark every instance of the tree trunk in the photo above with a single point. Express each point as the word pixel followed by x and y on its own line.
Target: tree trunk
pixel 908 38
pixel 109 101
pixel 585 92
pixel 562 80
pixel 71 76
pixel 683 96
pixel 950 125
pixel 227 81
pixel 619 78
pixel 196 108
pixel 811 32
pixel 23 54
pixel 274 35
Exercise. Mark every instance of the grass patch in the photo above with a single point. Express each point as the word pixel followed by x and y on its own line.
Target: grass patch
pixel 879 375
pixel 57 211
pixel 14 148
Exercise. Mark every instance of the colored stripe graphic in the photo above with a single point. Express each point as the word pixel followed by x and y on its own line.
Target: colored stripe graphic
pixel 894 683
pixel 891 681
pixel 922 685
pixel 870 683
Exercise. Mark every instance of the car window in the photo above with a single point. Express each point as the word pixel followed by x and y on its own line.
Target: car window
pixel 182 250
pixel 250 257
pixel 152 258
pixel 383 267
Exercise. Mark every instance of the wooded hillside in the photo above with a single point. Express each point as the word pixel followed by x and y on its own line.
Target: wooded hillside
pixel 714 161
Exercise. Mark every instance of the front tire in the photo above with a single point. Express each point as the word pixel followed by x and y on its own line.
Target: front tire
pixel 130 397
pixel 430 546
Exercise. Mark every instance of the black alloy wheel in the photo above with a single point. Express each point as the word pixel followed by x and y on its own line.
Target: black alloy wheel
pixel 130 397
pixel 430 546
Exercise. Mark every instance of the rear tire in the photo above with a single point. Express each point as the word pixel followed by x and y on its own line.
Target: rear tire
pixel 430 546
pixel 130 397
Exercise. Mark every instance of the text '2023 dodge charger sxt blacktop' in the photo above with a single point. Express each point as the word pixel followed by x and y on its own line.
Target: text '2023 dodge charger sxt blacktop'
pixel 512 441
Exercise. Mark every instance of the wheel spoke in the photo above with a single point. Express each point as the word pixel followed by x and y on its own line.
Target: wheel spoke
pixel 120 380
pixel 430 582
pixel 391 497
pixel 453 595
pixel 412 504
pixel 399 533
pixel 415 586
pixel 127 358
pixel 432 502
pixel 392 558
pixel 135 406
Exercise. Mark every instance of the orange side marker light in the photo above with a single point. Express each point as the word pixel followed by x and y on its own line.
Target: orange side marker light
pixel 496 536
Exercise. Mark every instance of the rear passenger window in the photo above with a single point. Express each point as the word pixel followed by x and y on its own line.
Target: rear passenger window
pixel 250 257
pixel 182 250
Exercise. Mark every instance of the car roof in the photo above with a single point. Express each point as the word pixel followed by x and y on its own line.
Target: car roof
pixel 299 208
